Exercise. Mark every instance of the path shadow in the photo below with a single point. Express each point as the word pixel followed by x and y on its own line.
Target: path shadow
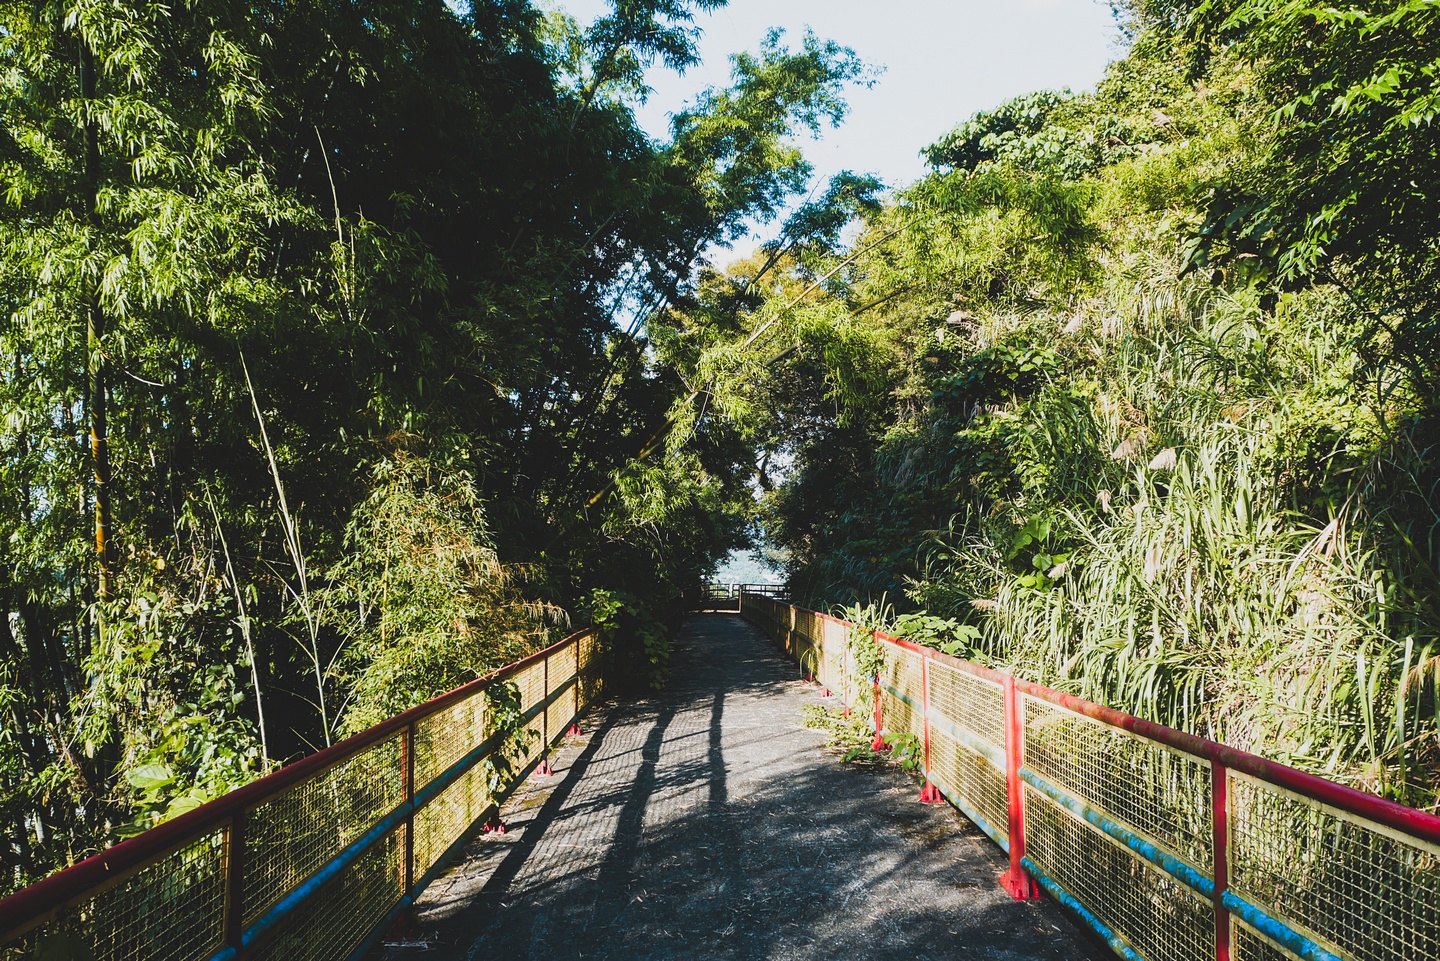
pixel 781 853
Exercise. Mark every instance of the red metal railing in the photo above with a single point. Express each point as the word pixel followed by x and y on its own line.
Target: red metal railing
pixel 317 859
pixel 1171 846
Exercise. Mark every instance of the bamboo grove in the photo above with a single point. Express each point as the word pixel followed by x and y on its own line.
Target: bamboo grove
pixel 323 324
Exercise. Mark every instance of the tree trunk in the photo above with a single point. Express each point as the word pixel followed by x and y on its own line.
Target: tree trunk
pixel 94 335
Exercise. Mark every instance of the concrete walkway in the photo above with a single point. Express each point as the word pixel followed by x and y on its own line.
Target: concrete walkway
pixel 708 823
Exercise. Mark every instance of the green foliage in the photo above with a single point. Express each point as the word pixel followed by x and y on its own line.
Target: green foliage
pixel 866 619
pixel 942 633
pixel 358 303
pixel 636 640
pixel 420 597
pixel 1343 194
pixel 847 731
pixel 906 750
pixel 1029 133
pixel 1147 411
pixel 504 717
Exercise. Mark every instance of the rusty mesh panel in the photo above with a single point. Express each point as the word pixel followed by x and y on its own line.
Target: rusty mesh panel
pixel 1248 945
pixel 901 673
pixel 897 718
pixel 1158 916
pixel 777 615
pixel 807 625
pixel 1154 791
pixel 332 923
pixel 809 643
pixel 768 613
pixel 531 683
pixel 806 654
pixel 846 684
pixel 591 685
pixel 441 822
pixel 966 775
pixel 290 837
pixel 561 712
pixel 172 910
pixel 449 734
pixel 971 703
pixel 1363 888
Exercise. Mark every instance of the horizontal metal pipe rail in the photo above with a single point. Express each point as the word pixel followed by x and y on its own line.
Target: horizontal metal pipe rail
pixel 318 859
pixel 1170 846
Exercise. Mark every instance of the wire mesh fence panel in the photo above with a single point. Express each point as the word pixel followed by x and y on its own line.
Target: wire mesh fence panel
pixel 562 670
pixel 291 836
pixel 446 736
pixel 450 814
pixel 1247 944
pixel 177 906
pixel 806 654
pixel 847 681
pixel 970 779
pixel 809 634
pixel 901 675
pixel 589 685
pixel 344 910
pixel 171 910
pixel 976 705
pixel 1154 791
pixel 530 682
pixel 1160 918
pixel 1368 892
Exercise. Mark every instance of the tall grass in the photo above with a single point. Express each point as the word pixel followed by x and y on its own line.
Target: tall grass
pixel 1249 552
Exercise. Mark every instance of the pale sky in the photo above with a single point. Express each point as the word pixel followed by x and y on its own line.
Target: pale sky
pixel 944 60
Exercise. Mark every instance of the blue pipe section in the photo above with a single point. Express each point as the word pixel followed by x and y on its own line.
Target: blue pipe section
pixel 1116 942
pixel 1272 928
pixel 984 825
pixel 1275 930
pixel 1166 862
pixel 357 848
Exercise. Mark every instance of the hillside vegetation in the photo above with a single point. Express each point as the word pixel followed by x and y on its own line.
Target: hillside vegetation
pixel 1134 394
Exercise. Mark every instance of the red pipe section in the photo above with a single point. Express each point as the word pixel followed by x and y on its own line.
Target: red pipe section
pixel 1220 843
pixel 1016 881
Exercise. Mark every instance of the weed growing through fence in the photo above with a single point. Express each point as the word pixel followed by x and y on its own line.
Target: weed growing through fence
pixel 850 735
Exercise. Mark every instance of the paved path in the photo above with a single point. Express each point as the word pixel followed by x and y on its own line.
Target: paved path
pixel 708 823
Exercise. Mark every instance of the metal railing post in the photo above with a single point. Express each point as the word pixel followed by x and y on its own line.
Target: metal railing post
pixel 1220 828
pixel 544 769
pixel 235 881
pixel 1016 881
pixel 929 794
